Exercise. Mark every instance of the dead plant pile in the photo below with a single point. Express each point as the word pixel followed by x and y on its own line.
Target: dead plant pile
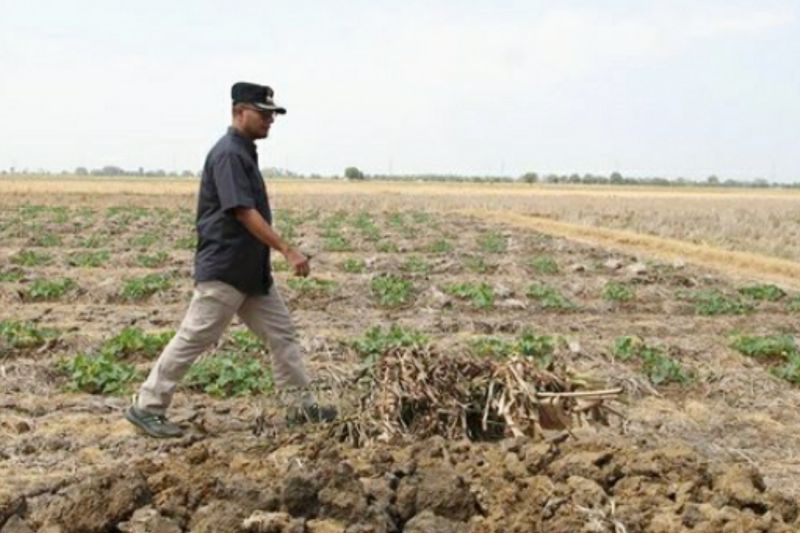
pixel 421 393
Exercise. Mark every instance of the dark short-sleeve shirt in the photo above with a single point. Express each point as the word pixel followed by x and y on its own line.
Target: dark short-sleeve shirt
pixel 226 250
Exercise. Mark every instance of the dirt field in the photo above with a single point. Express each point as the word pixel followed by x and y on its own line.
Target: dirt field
pixel 707 440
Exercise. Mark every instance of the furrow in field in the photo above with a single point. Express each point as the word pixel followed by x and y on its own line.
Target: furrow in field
pixel 733 263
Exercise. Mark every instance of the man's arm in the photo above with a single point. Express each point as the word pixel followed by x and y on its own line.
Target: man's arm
pixel 260 228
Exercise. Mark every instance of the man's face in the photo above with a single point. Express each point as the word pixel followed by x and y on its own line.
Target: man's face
pixel 256 122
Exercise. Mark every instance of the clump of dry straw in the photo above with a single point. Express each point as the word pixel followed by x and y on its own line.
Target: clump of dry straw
pixel 420 393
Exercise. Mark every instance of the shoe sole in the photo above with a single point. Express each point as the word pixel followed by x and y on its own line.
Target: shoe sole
pixel 141 427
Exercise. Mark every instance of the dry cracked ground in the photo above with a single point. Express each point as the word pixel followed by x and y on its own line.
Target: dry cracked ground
pixel 707 438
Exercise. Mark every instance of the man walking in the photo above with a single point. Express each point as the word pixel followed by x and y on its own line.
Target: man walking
pixel 232 270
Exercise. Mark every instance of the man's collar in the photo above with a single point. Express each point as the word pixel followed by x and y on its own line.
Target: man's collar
pixel 236 134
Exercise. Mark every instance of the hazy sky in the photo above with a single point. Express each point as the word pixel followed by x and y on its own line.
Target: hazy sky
pixel 678 88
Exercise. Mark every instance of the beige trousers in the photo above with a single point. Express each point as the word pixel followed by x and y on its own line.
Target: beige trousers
pixel 212 307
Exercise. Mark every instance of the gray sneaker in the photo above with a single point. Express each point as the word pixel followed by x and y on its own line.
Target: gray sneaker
pixel 154 425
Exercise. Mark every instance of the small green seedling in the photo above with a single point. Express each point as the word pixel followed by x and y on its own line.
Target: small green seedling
pixel 49 289
pixel 140 288
pixel 548 297
pixel 228 375
pixel 544 265
pixel 767 292
pixel 481 295
pixel 133 341
pixel 615 291
pixel 391 291
pixel 98 374
pixel 312 286
pixel 659 368
pixel 354 265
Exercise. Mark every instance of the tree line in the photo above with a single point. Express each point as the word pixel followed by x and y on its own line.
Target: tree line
pixel 353 173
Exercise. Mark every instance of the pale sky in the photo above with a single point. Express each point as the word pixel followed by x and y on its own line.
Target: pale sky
pixel 679 88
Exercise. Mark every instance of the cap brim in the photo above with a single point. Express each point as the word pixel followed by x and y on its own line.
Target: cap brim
pixel 273 108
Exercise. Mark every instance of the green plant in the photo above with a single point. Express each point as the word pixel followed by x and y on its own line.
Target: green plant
pixel 492 242
pixel 540 347
pixel 617 292
pixel 30 258
pixel 152 260
pixel 333 222
pixel 46 289
pixel 23 335
pixel 140 288
pixel 627 347
pixel 656 364
pixel 31 210
pixel 528 344
pixel 480 294
pixel 229 375
pixel 59 214
pixel 245 342
pixel 764 347
pixel 12 274
pixel 772 348
pixel 353 265
pixel 93 241
pixel 544 265
pixel 187 242
pixel 766 292
pixel 88 259
pixel 335 242
pixel 279 265
pixel 286 225
pixel 713 302
pixel 421 217
pixel 548 297
pixel 98 374
pixel 133 341
pixel 478 264
pixel 144 240
pixel 391 291
pixel 47 240
pixel 396 220
pixel 376 341
pixel 417 265
pixel 790 371
pixel 793 305
pixel 312 286
pixel 491 346
pixel 387 247
pixel 440 246
pixel 125 215
pixel 364 223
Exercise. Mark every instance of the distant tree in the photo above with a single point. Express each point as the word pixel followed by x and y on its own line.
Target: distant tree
pixel 187 174
pixel 81 171
pixel 574 178
pixel 615 177
pixel 712 180
pixel 530 177
pixel 108 170
pixel 352 173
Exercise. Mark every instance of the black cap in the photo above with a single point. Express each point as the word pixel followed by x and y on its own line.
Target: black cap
pixel 259 96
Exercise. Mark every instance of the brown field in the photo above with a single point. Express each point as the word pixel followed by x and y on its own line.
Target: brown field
pixel 707 439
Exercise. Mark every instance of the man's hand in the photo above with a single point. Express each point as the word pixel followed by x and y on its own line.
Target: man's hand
pixel 256 225
pixel 300 263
